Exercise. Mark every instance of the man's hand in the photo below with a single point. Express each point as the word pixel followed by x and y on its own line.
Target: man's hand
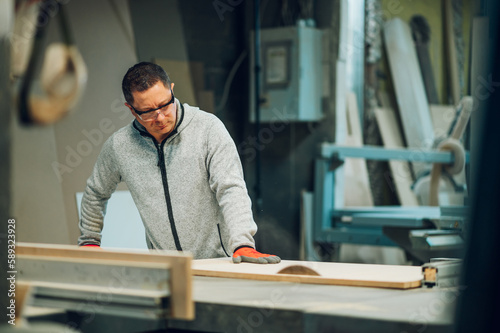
pixel 249 254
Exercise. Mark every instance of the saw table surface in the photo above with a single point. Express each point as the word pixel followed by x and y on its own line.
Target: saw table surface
pixel 242 305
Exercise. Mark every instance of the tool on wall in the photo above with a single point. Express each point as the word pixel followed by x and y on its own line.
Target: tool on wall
pixel 63 75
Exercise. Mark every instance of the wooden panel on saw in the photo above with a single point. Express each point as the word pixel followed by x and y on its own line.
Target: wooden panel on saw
pixel 331 273
pixel 180 264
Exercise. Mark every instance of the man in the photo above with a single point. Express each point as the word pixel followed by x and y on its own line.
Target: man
pixel 183 172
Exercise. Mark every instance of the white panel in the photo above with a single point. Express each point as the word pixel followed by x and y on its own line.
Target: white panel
pixel 123 226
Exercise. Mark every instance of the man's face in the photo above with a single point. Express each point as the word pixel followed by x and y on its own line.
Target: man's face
pixel 163 119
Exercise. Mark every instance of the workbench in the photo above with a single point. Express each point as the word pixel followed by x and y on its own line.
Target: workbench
pixel 239 305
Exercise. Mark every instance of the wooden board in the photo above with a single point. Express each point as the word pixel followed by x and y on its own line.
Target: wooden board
pixel 182 305
pixel 331 273
pixel 392 138
pixel 408 84
pixel 180 74
pixel 357 191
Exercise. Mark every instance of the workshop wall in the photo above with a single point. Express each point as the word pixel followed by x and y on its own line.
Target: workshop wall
pixel 50 164
pixel 217 34
pixel 5 167
pixel 287 155
pixel 158 30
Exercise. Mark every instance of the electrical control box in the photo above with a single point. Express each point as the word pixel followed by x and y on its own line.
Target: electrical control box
pixel 291 75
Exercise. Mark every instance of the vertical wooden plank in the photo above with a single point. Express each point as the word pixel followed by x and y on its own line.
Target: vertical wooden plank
pixel 411 98
pixel 410 92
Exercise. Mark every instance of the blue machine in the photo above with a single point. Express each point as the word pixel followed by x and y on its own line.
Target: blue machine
pixel 422 231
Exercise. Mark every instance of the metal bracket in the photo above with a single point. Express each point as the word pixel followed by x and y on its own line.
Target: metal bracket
pixel 441 272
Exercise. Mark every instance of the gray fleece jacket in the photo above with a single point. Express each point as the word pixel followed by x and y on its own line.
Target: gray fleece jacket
pixel 189 190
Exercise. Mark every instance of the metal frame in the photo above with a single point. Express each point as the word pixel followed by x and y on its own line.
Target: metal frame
pixel 365 225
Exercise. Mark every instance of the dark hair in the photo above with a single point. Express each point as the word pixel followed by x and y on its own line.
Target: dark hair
pixel 141 77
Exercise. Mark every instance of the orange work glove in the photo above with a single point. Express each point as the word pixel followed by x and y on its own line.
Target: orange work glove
pixel 248 254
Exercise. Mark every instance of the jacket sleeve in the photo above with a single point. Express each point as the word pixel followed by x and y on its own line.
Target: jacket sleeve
pixel 100 185
pixel 227 182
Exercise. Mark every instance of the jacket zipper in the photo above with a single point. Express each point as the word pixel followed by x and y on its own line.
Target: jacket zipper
pixel 163 171
pixel 221 243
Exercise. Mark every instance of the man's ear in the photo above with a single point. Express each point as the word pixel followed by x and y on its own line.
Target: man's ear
pixel 130 108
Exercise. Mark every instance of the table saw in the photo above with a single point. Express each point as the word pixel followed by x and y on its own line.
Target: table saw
pixel 241 304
